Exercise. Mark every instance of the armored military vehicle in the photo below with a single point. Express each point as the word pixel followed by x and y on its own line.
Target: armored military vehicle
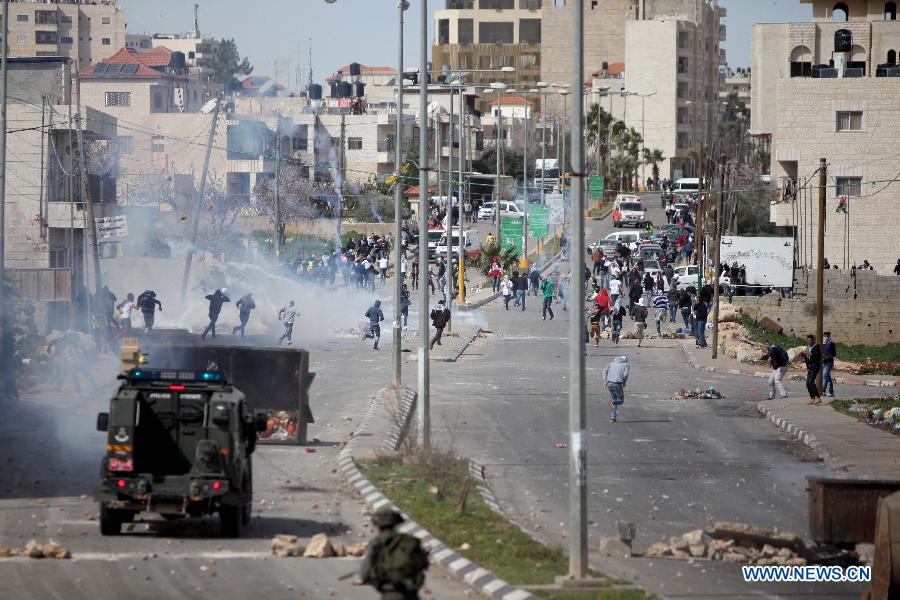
pixel 178 444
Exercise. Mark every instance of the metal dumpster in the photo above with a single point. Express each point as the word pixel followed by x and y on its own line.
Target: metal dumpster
pixel 274 380
pixel 844 511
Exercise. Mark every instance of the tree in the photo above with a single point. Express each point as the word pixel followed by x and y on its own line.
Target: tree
pixel 295 195
pixel 226 64
pixel 599 119
pixel 510 163
pixel 653 158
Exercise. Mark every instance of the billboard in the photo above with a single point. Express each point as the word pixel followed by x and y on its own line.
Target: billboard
pixel 557 211
pixel 769 261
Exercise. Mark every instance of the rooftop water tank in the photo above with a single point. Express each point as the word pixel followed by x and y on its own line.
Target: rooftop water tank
pixel 843 40
pixel 315 92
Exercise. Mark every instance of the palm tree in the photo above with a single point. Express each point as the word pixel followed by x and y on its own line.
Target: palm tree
pixel 653 158
pixel 597 129
pixel 633 148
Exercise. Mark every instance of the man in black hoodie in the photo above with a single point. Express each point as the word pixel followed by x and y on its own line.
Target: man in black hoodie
pixel 244 305
pixel 440 315
pixel 216 300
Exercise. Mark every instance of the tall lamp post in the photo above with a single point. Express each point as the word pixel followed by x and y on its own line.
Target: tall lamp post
pixel 498 88
pixel 542 86
pixel 643 97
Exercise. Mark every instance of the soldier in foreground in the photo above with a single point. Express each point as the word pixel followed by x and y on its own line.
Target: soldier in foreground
pixel 395 562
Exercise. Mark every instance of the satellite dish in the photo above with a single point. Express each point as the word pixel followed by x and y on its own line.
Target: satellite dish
pixel 209 106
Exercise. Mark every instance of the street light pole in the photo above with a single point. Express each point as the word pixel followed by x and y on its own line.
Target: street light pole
pixel 461 286
pixel 448 232
pixel 398 204
pixel 6 372
pixel 543 87
pixel 424 399
pixel 578 555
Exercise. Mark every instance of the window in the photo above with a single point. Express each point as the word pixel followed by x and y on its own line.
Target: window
pixel 849 186
pixel 849 121
pixel 157 101
pixel 496 33
pixel 683 39
pixel 682 64
pixel 354 143
pixel 118 98
pixel 65 19
pixel 529 31
pixel 299 143
pixel 157 143
pixel 890 11
pixel 125 144
pixel 497 4
pixel 22 18
pixel 192 55
pixel 682 90
pixel 21 39
pixel 801 62
pixel 45 17
pixel 106 20
pixel 65 40
pixel 443 32
pixel 530 4
pixel 44 37
pixel 892 57
pixel 840 13
pixel 683 141
pixel 466 31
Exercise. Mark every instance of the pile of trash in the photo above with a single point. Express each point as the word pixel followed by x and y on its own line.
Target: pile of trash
pixel 710 393
pixel 35 549
pixel 881 418
pixel 741 543
pixel 319 546
pixel 280 426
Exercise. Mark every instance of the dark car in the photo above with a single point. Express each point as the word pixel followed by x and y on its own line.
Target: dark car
pixel 178 444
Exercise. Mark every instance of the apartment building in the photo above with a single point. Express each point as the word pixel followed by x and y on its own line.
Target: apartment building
pixel 490 35
pixel 43 204
pixel 830 88
pixel 738 83
pixel 159 107
pixel 86 31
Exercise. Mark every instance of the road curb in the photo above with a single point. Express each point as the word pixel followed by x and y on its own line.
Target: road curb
pixel 753 372
pixel 477 471
pixel 805 438
pixel 401 421
pixel 462 568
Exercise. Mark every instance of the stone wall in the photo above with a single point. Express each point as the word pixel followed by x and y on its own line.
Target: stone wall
pixel 871 322
pixel 848 285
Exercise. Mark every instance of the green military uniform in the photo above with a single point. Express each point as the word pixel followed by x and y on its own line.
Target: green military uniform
pixel 394 563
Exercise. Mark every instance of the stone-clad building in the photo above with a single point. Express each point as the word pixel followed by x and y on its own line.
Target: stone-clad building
pixel 830 89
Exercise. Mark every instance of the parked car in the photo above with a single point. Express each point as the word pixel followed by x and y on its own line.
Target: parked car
pixel 471 240
pixel 687 276
pixel 507 210
pixel 652 266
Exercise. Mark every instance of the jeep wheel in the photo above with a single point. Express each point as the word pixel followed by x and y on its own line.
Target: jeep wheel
pixel 111 521
pixel 230 518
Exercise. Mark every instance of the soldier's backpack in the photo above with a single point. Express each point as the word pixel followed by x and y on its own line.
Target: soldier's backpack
pixel 400 564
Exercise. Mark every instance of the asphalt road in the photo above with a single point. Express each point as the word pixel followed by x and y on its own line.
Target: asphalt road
pixel 668 466
pixel 49 465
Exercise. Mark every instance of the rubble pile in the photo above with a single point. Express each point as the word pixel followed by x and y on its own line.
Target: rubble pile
pixel 36 549
pixel 742 543
pixel 886 419
pixel 280 425
pixel 319 546
pixel 710 393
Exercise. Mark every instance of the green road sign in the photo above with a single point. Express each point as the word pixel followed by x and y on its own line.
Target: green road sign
pixel 537 221
pixel 511 234
pixel 595 186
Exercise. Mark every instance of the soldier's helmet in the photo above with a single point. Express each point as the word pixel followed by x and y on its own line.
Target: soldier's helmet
pixel 386 517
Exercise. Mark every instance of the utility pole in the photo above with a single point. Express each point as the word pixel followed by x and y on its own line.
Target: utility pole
pixel 578 538
pixel 91 224
pixel 424 399
pixel 499 135
pixel 71 194
pixel 5 369
pixel 278 191
pixel 195 218
pixel 820 262
pixel 717 254
pixel 398 200
pixel 461 286
pixel 448 232
pixel 525 198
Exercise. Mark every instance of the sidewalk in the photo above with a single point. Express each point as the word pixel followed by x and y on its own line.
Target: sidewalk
pixel 701 359
pixel 841 441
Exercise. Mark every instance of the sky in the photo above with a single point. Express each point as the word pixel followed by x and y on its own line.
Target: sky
pixel 275 34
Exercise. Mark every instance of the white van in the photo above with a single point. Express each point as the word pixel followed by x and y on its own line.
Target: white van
pixel 687 185
pixel 507 210
pixel 626 237
pixel 471 240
